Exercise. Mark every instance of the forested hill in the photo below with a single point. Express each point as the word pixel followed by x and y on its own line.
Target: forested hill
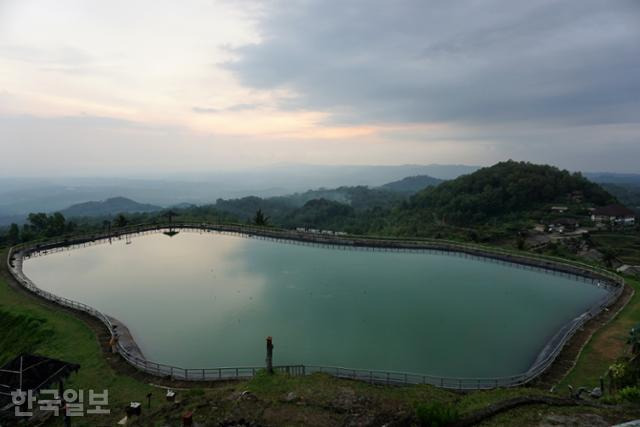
pixel 411 184
pixel 112 206
pixel 506 188
pixel 314 208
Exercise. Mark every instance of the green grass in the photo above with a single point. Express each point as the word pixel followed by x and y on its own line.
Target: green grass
pixel 27 325
pixel 627 245
pixel 606 345
pixel 21 334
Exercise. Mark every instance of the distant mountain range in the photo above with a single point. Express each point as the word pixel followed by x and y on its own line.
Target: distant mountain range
pixel 412 184
pixel 112 206
pixel 614 178
pixel 20 196
pixel 504 193
pixel 625 186
pixel 496 201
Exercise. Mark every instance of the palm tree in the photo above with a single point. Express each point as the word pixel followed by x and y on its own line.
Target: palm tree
pixel 260 218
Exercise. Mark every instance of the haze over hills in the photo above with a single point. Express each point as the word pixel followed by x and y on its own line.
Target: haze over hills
pixel 19 196
pixel 412 184
pixel 625 186
pixel 112 206
pixel 505 196
pixel 614 178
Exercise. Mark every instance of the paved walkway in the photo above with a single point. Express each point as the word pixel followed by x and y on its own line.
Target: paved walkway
pixel 126 339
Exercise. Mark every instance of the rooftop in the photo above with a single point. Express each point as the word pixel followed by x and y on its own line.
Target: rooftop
pixel 614 210
pixel 31 372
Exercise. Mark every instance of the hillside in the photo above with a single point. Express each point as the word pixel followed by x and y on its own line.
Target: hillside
pixel 286 210
pixel 19 196
pixel 412 184
pixel 628 194
pixel 112 206
pixel 359 197
pixel 506 189
pixel 495 201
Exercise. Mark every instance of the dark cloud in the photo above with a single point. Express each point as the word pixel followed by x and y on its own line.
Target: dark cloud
pixel 467 61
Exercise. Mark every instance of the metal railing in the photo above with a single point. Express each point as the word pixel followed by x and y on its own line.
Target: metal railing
pixel 612 283
pixel 344 242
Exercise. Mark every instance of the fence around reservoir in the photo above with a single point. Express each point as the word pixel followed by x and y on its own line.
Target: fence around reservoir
pixel 612 283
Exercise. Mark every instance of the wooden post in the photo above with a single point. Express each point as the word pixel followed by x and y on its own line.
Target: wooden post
pixel 269 355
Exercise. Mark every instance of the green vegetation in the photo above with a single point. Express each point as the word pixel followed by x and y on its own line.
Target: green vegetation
pixel 506 190
pixel 629 394
pixel 43 225
pixel 436 414
pixel 627 193
pixel 412 184
pixel 22 333
pixel 608 344
pixel 491 205
pixel 112 206
pixel 624 246
pixel 261 219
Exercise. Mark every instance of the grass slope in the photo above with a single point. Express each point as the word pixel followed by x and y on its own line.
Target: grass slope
pixel 606 346
pixel 625 245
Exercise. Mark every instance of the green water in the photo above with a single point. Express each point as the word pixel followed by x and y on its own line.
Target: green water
pixel 209 300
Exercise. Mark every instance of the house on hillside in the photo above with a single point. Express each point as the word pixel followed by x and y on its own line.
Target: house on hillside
pixel 614 214
pixel 559 209
pixel 562 225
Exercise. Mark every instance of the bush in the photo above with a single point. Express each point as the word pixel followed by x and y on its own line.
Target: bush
pixel 436 414
pixel 21 333
pixel 630 394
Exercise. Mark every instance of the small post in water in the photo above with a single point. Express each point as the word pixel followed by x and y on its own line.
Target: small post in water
pixel 270 355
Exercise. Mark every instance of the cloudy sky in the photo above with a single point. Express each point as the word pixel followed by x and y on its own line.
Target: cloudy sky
pixel 115 87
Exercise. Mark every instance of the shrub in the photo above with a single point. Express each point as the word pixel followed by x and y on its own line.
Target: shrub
pixel 21 333
pixel 436 414
pixel 630 394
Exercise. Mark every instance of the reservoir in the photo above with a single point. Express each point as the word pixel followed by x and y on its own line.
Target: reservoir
pixel 199 300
